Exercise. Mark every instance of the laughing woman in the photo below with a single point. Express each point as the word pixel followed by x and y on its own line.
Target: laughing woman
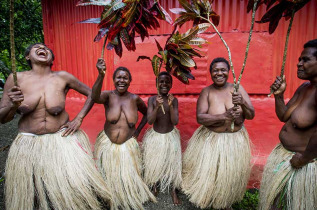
pixel 50 165
pixel 117 150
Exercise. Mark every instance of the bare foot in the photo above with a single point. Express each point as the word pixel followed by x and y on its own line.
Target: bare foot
pixel 175 198
pixel 154 190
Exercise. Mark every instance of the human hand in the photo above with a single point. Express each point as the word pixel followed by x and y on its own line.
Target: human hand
pixel 298 161
pixel 159 101
pixel 279 85
pixel 233 113
pixel 237 99
pixel 71 126
pixel 16 96
pixel 101 66
pixel 170 99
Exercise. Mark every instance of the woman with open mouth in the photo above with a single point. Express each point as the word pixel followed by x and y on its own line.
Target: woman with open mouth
pixel 117 151
pixel 50 163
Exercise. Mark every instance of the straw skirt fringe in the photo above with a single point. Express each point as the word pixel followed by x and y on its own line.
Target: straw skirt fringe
pixel 216 167
pixel 52 172
pixel 296 189
pixel 121 168
pixel 162 157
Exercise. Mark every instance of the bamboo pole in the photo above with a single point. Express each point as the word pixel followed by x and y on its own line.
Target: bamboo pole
pixel 285 48
pixel 12 48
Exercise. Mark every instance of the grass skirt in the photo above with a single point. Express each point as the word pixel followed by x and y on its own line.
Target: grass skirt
pixel 216 167
pixel 162 157
pixel 295 188
pixel 121 168
pixel 52 172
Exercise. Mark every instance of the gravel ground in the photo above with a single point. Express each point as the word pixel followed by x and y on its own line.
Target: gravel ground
pixel 8 132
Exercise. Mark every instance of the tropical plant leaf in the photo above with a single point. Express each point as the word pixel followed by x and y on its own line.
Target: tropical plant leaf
pixel 186 60
pixel 187 73
pixel 156 64
pixel 177 11
pixel 186 5
pixel 158 45
pixel 110 46
pixel 193 53
pixel 180 76
pixel 141 30
pixel 125 38
pixel 118 5
pixel 118 48
pixel 142 57
pixel 129 14
pixel 175 56
pixel 91 20
pixel 93 2
pixel 215 18
pixel 101 33
pixel 164 55
pixel 184 18
pixel 197 41
pixel 190 34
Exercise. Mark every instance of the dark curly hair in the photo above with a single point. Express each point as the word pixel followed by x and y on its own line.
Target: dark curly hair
pixel 121 68
pixel 313 44
pixel 28 49
pixel 218 60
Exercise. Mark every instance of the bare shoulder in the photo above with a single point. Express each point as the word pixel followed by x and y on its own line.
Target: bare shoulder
pixel 206 90
pixel 64 74
pixel 241 89
pixel 152 99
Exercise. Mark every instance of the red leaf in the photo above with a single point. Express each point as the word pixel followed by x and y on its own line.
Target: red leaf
pixel 118 48
pixel 158 45
pixel 101 33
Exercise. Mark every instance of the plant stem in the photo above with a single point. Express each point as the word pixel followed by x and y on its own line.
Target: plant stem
pixel 13 65
pixel 173 32
pixel 248 46
pixel 158 93
pixel 285 48
pixel 103 47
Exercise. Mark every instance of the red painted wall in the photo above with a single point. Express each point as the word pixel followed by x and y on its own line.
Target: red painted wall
pixel 76 53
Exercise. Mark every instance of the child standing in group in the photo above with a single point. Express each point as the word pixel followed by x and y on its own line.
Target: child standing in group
pixel 161 143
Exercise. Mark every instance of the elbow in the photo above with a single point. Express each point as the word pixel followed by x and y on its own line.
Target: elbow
pixel 199 120
pixel 150 120
pixel 94 97
pixel 251 115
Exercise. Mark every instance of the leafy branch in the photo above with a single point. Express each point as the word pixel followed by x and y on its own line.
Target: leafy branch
pixel 178 54
pixel 201 11
pixel 286 9
pixel 122 19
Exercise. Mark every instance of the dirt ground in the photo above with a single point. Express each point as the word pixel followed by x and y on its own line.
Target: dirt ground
pixel 9 131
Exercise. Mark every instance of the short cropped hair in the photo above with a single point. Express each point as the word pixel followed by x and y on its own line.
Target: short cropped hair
pixel 165 73
pixel 28 50
pixel 121 68
pixel 218 60
pixel 313 44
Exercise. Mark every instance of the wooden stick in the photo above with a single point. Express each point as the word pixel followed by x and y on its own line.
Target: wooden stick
pixel 285 48
pixel 13 61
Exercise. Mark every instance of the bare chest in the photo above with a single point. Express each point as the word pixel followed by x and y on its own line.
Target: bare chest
pixel 219 102
pixel 49 94
pixel 305 114
pixel 121 108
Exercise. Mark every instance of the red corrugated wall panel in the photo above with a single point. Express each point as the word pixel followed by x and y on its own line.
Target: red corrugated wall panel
pixel 77 53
